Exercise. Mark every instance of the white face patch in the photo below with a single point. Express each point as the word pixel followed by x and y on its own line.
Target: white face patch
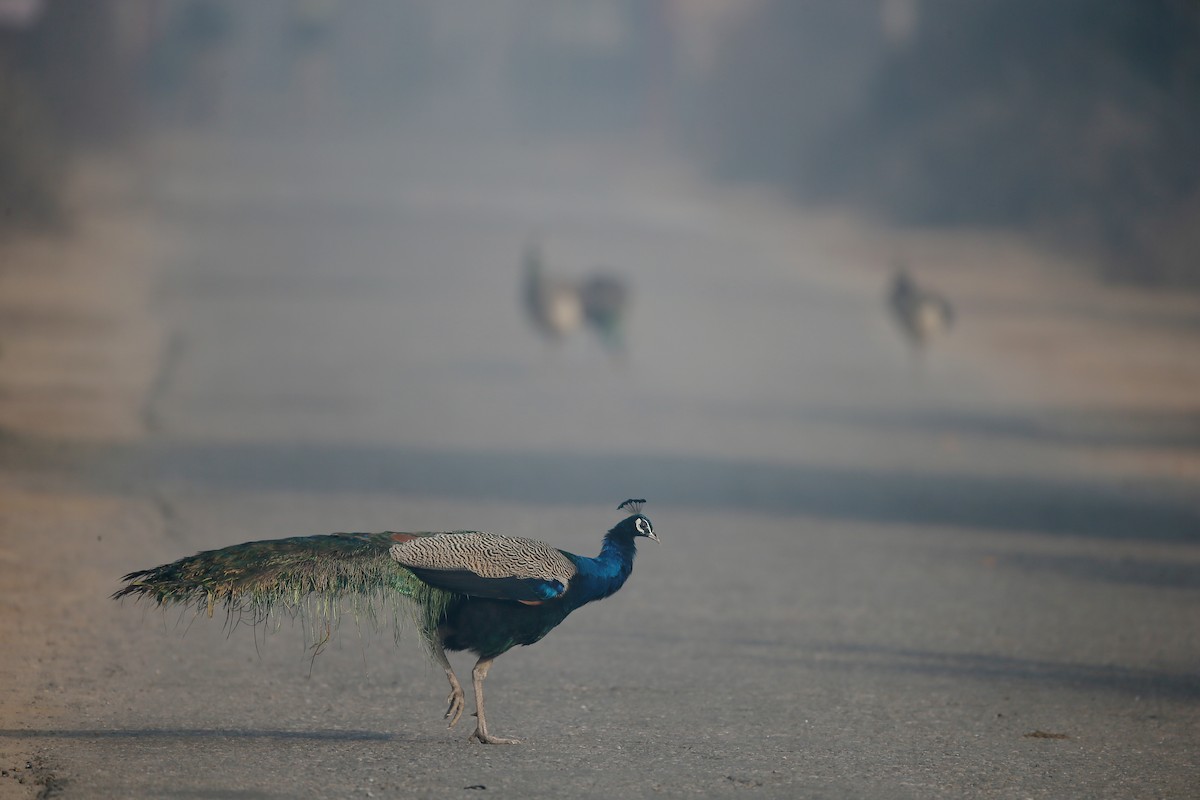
pixel 642 526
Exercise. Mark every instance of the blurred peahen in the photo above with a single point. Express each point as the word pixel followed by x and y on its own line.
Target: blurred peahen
pixel 551 302
pixel 467 590
pixel 920 312
pixel 605 300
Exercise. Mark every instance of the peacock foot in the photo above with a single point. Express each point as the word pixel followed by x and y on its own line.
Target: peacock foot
pixel 483 737
pixel 457 703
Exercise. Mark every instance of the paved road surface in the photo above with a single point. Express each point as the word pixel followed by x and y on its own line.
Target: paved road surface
pixel 876 579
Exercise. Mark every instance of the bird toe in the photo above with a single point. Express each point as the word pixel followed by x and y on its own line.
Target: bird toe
pixel 483 737
pixel 455 709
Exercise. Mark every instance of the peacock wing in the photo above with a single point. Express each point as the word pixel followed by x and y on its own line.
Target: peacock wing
pixel 487 565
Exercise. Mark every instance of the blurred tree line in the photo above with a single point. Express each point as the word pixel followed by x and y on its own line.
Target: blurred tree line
pixel 1076 119
pixel 69 79
pixel 1073 118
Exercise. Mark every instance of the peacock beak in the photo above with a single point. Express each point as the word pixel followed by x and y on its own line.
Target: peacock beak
pixel 652 536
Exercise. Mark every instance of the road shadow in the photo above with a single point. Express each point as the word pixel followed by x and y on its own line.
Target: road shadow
pixel 1091 509
pixel 1127 571
pixel 1080 508
pixel 987 667
pixel 999 668
pixel 1124 429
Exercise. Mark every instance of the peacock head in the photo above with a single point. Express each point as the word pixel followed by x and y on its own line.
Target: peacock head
pixel 638 524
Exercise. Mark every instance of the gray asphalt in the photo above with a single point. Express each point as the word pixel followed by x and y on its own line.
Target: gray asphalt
pixel 875 580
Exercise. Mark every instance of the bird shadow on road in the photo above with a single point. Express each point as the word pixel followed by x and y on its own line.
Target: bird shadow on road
pixel 207 733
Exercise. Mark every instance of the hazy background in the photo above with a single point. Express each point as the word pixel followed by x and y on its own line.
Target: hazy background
pixel 1074 120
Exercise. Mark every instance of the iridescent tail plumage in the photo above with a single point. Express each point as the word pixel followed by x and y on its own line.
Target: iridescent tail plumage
pixel 306 575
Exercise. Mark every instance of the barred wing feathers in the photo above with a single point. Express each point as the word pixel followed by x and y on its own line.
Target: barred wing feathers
pixel 487 565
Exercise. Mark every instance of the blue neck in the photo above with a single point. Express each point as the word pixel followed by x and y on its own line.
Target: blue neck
pixel 601 576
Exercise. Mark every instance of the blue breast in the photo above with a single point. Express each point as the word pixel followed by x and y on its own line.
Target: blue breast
pixel 599 577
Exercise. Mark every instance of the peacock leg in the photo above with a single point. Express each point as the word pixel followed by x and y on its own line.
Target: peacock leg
pixel 455 698
pixel 481 732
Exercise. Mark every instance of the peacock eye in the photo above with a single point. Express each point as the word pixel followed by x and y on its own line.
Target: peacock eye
pixel 641 526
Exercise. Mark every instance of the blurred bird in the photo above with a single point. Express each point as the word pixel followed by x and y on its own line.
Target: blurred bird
pixel 552 303
pixel 465 590
pixel 920 313
pixel 605 300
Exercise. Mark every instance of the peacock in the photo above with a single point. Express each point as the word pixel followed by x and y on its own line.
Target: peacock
pixel 605 300
pixel 552 303
pixel 920 312
pixel 465 590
